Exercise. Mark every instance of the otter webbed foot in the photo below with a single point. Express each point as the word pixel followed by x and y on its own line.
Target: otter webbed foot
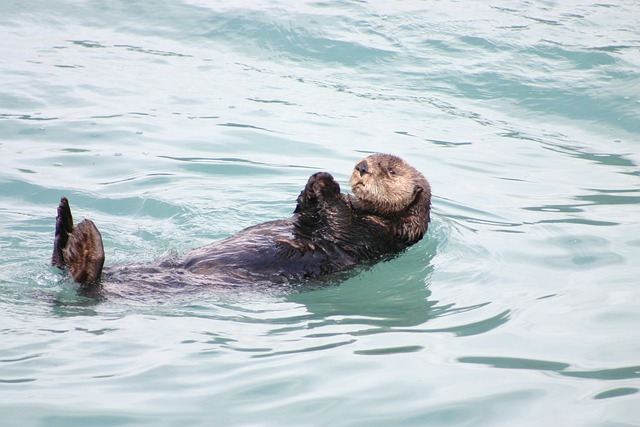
pixel 78 249
pixel 64 227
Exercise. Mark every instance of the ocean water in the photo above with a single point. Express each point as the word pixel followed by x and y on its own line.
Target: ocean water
pixel 172 124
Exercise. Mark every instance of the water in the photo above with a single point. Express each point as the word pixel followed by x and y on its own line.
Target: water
pixel 172 124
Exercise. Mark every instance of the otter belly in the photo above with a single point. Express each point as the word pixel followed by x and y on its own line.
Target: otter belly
pixel 265 252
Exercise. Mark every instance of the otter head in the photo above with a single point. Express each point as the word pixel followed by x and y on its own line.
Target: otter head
pixel 386 184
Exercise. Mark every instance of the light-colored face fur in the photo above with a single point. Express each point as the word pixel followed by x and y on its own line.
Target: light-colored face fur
pixel 385 183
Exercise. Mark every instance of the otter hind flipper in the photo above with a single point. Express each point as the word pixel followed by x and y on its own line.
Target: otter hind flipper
pixel 84 253
pixel 64 227
pixel 78 249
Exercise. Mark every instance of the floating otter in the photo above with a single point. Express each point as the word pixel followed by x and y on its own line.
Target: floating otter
pixel 329 232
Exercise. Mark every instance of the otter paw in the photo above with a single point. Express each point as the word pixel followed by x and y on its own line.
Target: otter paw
pixel 64 227
pixel 320 187
pixel 323 185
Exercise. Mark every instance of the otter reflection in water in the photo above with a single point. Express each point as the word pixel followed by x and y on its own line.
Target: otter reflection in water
pixel 329 232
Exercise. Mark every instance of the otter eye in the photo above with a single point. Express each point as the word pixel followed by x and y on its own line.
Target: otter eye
pixel 392 172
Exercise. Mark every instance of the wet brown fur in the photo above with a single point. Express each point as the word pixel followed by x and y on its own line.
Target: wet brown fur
pixel 329 232
pixel 79 248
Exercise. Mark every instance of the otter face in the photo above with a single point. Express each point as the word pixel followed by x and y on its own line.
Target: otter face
pixel 385 183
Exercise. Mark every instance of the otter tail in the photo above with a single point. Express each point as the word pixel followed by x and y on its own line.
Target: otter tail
pixel 78 249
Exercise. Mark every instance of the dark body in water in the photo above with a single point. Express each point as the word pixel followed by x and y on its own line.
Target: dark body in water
pixel 329 232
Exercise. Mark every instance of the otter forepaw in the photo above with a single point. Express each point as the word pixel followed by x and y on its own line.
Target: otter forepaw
pixel 320 187
pixel 324 186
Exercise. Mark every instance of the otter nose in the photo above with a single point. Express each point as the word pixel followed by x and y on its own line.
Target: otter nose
pixel 362 167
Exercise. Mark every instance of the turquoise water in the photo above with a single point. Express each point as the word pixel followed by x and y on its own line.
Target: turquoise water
pixel 172 124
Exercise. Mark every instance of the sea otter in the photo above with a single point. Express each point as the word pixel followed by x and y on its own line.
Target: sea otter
pixel 329 232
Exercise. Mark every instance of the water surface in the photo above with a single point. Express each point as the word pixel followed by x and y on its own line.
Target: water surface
pixel 174 124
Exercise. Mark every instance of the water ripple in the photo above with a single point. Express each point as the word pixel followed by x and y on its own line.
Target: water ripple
pixel 624 373
pixel 172 126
